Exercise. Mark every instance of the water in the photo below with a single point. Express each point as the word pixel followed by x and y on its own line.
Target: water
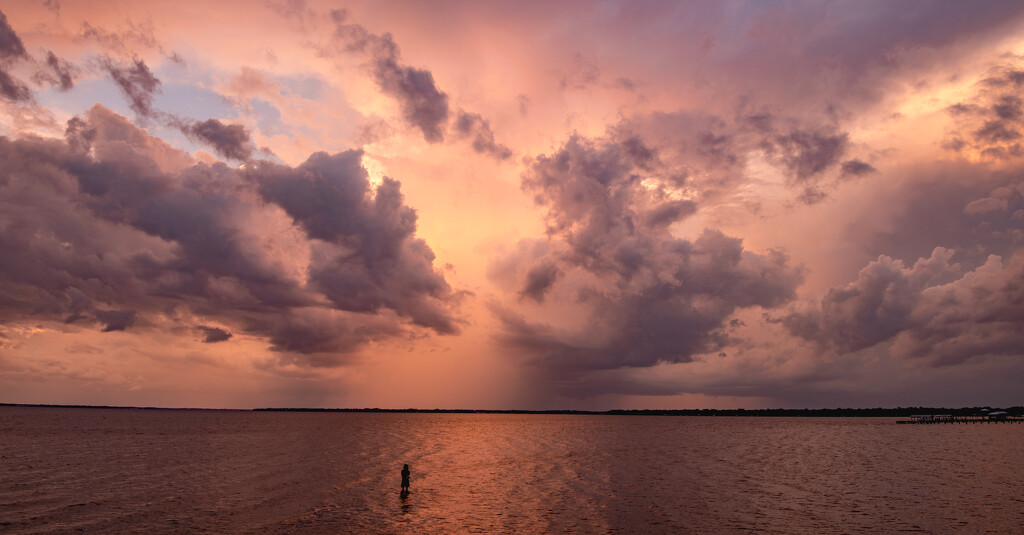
pixel 116 471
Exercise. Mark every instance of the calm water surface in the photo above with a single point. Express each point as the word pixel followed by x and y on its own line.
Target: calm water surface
pixel 115 471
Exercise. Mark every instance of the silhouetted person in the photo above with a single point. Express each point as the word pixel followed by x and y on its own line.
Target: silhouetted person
pixel 405 479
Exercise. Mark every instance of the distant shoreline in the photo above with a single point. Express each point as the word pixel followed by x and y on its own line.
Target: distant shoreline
pixel 805 413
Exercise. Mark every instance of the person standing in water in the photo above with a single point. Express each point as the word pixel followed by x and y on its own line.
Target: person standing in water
pixel 405 479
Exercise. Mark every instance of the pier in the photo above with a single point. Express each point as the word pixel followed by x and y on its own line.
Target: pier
pixel 951 419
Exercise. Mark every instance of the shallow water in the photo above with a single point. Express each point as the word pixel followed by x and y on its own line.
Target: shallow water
pixel 113 471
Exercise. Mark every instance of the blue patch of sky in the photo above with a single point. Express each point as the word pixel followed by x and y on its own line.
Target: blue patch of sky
pixel 104 91
pixel 268 117
pixel 193 102
pixel 85 93
pixel 314 88
pixel 307 87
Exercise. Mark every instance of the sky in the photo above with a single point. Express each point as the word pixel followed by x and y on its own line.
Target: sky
pixel 512 205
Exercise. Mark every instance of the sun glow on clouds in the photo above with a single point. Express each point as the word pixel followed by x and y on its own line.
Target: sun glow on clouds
pixel 507 205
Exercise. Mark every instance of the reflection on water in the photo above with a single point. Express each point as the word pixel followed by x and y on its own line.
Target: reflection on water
pixel 111 471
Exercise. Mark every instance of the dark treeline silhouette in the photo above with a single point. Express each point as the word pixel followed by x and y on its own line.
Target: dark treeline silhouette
pixel 809 413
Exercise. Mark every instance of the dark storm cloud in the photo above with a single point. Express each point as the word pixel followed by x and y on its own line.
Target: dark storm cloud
pixel 117 226
pixel 212 335
pixel 473 126
pixel 316 338
pixel 229 140
pixel 423 104
pixel 136 82
pixel 78 304
pixel 647 296
pixel 116 320
pixel 60 73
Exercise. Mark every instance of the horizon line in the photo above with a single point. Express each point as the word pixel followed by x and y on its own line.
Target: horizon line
pixel 838 411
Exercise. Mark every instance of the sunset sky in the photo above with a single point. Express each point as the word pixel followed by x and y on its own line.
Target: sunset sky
pixel 497 205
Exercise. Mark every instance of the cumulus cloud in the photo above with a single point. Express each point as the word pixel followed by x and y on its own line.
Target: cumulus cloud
pixel 956 205
pixel 647 296
pixel 959 300
pixel 423 104
pixel 929 310
pixel 115 226
pixel 371 259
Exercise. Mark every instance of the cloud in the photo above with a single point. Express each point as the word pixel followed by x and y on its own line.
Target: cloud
pixel 539 280
pixel 964 206
pixel 212 335
pixel 581 75
pixel 710 156
pixel 137 83
pixel 928 310
pixel 229 140
pixel 370 259
pixel 990 123
pixel 646 296
pixel 12 89
pixel 523 103
pixel 115 225
pixel 116 320
pixel 808 153
pixel 61 73
pixel 852 168
pixel 423 104
pixel 11 46
pixel 473 126
pixel 128 39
